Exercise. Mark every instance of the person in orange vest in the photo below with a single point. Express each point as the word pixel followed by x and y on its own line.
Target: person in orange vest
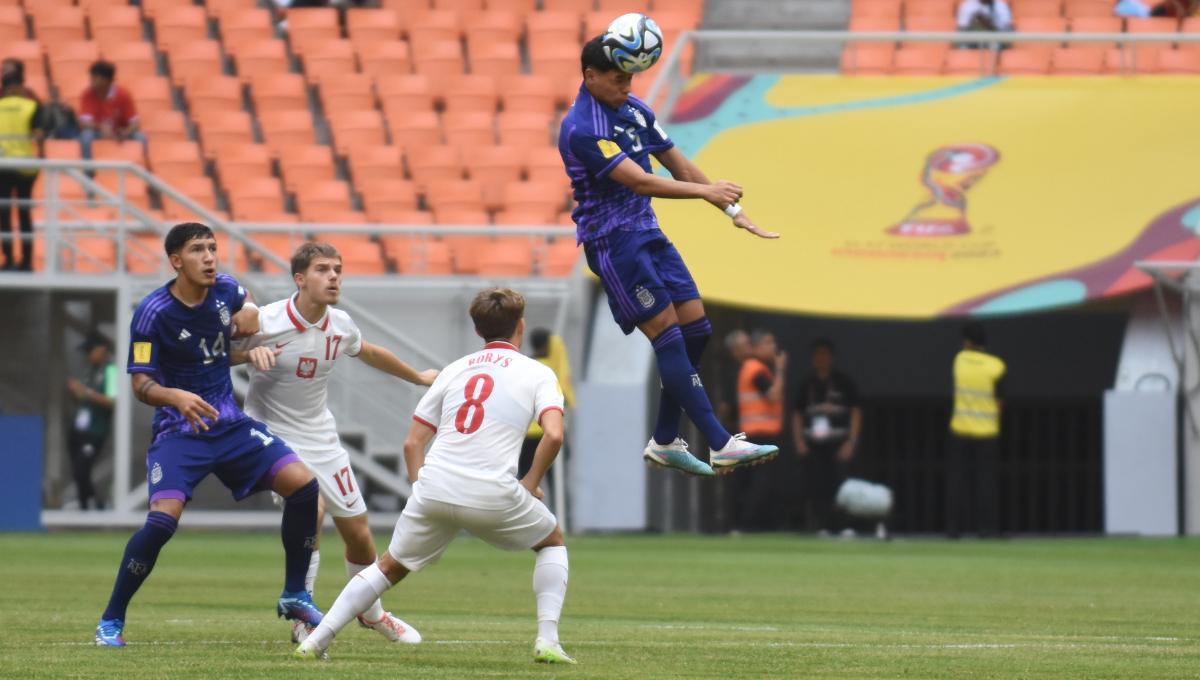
pixel 760 399
pixel 826 424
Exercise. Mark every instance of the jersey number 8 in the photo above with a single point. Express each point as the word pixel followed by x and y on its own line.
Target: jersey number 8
pixel 470 415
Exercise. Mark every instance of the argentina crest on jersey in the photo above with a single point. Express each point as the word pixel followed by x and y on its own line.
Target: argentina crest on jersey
pixel 637 115
pixel 223 311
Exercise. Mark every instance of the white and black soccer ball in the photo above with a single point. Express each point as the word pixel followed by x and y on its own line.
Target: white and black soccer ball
pixel 633 42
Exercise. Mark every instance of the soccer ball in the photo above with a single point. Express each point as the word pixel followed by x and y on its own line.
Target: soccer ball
pixel 633 42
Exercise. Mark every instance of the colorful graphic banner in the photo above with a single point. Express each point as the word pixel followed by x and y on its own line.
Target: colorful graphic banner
pixel 922 197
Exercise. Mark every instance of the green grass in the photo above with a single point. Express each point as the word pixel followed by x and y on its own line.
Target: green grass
pixel 638 607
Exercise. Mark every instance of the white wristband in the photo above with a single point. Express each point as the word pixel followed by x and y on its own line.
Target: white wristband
pixel 733 210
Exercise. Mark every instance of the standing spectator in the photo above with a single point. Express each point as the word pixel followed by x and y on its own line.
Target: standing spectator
pixel 552 351
pixel 984 15
pixel 106 111
pixel 20 137
pixel 738 344
pixel 96 395
pixel 760 416
pixel 826 424
pixel 974 435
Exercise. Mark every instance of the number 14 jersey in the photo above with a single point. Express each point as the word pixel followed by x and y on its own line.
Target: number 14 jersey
pixel 481 406
pixel 291 398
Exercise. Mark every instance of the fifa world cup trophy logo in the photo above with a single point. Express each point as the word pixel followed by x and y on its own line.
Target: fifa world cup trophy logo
pixel 950 171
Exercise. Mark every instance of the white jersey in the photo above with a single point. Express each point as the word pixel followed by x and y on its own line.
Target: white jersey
pixel 291 397
pixel 481 406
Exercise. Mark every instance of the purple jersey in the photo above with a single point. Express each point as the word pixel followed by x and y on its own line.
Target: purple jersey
pixel 186 348
pixel 592 141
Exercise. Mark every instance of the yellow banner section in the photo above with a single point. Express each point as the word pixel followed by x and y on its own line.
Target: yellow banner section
pixel 918 197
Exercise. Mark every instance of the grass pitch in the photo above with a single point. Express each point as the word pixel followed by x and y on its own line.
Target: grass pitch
pixel 637 607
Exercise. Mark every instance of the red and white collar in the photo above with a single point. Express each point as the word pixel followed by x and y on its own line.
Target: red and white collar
pixel 300 322
pixel 500 344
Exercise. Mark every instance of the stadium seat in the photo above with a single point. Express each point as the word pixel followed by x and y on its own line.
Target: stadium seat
pixel 277 92
pixel 116 25
pixel 1151 25
pixel 400 93
pixel 62 149
pixel 524 218
pixel 1024 62
pixel 461 217
pixel 433 163
pixel 418 257
pixel 576 7
pixel 439 59
pixel 214 93
pixel 540 197
pixel 494 167
pixel 278 244
pixel 548 28
pixel 150 8
pixel 144 253
pixel 529 93
pixel 373 162
pixel 868 58
pixel 471 93
pixel 328 57
pixel 197 188
pixel 433 26
pixel 217 9
pixel 252 197
pixel 876 8
pixel 1035 9
pixel 356 128
pixel 360 255
pixel 242 160
pixel 175 158
pixel 179 25
pixel 544 163
pixel 1179 61
pixel 411 129
pixel 245 25
pixel 920 59
pixel 404 217
pixel 496 60
pixel 519 128
pixel 69 59
pixel 1090 24
pixel 970 63
pixel 508 258
pixel 1190 25
pixel 322 197
pixel 874 24
pixel 930 23
pixel 312 23
pixel 1042 24
pixel 218 128
pixel 372 25
pixel 559 257
pixel 164 126
pixel 462 194
pixel 197 59
pixel 462 7
pixel 346 92
pixel 935 8
pixel 259 57
pixel 12 24
pixel 1075 9
pixel 521 8
pixel 132 60
pixel 384 58
pixel 492 26
pixel 29 52
pixel 301 164
pixel 280 128
pixel 1078 60
pixel 596 23
pixel 381 197
pixel 55 25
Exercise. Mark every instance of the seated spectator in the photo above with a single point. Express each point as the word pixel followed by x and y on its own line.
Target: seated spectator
pixel 106 111
pixel 984 15
pixel 16 66
pixel 1176 8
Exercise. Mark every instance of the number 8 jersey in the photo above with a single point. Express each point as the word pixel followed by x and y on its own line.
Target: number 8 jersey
pixel 481 406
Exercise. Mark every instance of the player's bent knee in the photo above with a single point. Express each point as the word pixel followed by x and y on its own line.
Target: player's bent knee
pixel 659 323
pixel 391 568
pixel 170 506
pixel 291 478
pixel 555 539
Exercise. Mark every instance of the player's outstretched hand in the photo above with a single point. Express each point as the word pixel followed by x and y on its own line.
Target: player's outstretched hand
pixel 427 376
pixel 723 194
pixel 263 358
pixel 743 222
pixel 195 409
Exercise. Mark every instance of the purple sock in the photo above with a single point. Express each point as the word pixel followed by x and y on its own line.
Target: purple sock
pixel 695 338
pixel 140 554
pixel 682 383
pixel 299 533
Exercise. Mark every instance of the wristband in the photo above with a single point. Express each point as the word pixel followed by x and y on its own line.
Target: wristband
pixel 733 210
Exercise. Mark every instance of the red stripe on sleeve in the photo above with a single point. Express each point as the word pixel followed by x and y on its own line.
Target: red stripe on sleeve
pixel 424 422
pixel 549 408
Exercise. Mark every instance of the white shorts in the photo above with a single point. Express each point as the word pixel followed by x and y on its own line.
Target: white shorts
pixel 426 528
pixel 339 487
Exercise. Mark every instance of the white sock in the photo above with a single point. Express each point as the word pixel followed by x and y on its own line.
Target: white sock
pixel 375 611
pixel 550 587
pixel 363 588
pixel 314 565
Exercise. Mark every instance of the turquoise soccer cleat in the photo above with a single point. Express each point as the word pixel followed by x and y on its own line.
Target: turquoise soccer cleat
pixel 738 452
pixel 110 633
pixel 299 607
pixel 676 457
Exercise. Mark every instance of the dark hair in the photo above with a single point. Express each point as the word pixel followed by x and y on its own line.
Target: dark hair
pixel 973 333
pixel 593 56
pixel 539 340
pixel 104 69
pixel 496 313
pixel 11 78
pixel 822 343
pixel 310 251
pixel 13 66
pixel 183 232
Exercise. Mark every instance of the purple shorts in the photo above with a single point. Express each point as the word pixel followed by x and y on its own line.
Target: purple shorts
pixel 642 273
pixel 243 454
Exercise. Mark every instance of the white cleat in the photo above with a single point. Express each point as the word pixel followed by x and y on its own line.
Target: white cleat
pixel 738 452
pixel 675 456
pixel 308 651
pixel 545 651
pixel 393 629
pixel 300 631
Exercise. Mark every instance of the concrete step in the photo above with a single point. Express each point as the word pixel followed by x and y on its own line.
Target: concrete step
pixel 832 15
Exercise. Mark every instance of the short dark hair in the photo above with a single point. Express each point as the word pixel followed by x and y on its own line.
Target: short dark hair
pixel 822 343
pixel 11 78
pixel 593 56
pixel 496 313
pixel 973 333
pixel 104 69
pixel 306 253
pixel 183 232
pixel 539 340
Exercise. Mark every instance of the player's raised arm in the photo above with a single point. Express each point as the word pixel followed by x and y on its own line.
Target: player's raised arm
pixel 385 360
pixel 684 170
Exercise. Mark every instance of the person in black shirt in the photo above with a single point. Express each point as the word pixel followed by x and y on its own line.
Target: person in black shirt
pixel 826 424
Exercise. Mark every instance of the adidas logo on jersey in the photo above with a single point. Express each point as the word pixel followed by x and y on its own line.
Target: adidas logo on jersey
pixel 184 334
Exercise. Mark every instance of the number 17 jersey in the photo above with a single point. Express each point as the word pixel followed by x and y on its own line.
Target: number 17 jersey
pixel 481 406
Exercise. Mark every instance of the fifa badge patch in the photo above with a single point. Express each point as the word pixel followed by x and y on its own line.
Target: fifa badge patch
pixel 155 474
pixel 645 298
pixel 608 147
pixel 141 352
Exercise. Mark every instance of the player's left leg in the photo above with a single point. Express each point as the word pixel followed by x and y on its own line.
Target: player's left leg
pixel 298 532
pixel 696 330
pixel 550 571
pixel 360 555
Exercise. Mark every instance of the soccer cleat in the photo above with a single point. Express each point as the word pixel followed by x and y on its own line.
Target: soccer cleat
pixel 392 628
pixel 738 452
pixel 545 651
pixel 299 606
pixel 308 651
pixel 677 457
pixel 110 633
pixel 300 631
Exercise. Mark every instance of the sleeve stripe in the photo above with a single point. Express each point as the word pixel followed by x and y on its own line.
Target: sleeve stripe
pixel 424 422
pixel 609 168
pixel 546 410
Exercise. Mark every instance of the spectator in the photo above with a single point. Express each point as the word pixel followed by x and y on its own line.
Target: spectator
pixel 106 111
pixel 826 423
pixel 760 415
pixel 552 351
pixel 14 65
pixel 21 134
pixel 96 396
pixel 725 405
pixel 984 15
pixel 974 435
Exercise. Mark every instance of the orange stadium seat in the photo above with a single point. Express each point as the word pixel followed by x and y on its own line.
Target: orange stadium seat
pixel 970 63
pixel 1078 60
pixel 524 218
pixel 376 162
pixel 519 7
pixel 460 216
pixel 874 24
pixel 384 58
pixel 12 24
pixel 917 8
pixel 132 60
pixel 493 26
pixel 1030 9
pixel 1190 25
pixel 372 25
pixel 418 257
pixel 596 23
pixel 29 52
pixel 322 197
pixel 62 149
pixel 356 128
pixel 559 258
pixel 214 93
pixel 543 197
pixel 217 9
pixel 175 158
pixel 434 26
pixel 1152 25
pixel 930 23
pixel 544 163
pixel 1024 62
pixel 242 25
pixel 236 160
pixel 346 92
pixel 876 8
pixel 1088 8
pixel 411 129
pixel 462 7
pixel 404 92
pixel 301 164
pixel 619 7
pixel 1087 24
pixel 434 163
pixel 498 60
pixel 552 28
pixel 54 24
pixel 576 7
pixel 506 258
pixel 218 128
pixel 143 253
pixel 494 167
pixel 177 25
pixel 919 59
pixel 201 58
pixel 278 91
pixel 116 25
pixel 439 59
pixel 280 128
pixel 169 126
pixel 471 93
pixel 151 8
pixel 259 57
pixel 360 255
pixel 1179 61
pixel 520 128
pixel 305 23
pixel 464 194
pixel 1042 24
pixel 196 187
pixel 71 58
pixel 559 61
pixel 529 93
pixel 381 196
pixel 251 197
pixel 328 57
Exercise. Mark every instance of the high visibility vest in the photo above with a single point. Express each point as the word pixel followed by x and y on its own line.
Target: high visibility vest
pixel 16 128
pixel 976 411
pixel 757 415
pixel 556 359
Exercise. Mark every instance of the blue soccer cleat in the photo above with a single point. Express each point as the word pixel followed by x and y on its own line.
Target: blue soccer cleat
pixel 299 606
pixel 110 633
pixel 677 457
pixel 738 452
